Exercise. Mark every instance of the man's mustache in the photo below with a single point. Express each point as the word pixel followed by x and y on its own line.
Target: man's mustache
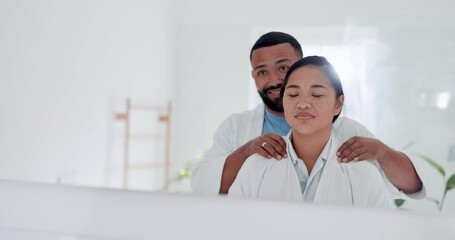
pixel 271 88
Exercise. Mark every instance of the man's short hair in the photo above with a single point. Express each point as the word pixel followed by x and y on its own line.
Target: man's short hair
pixel 275 38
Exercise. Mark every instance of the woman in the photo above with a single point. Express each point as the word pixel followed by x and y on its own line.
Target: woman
pixel 312 99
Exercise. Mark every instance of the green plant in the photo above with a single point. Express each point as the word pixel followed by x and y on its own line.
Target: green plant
pixel 399 202
pixel 184 173
pixel 449 183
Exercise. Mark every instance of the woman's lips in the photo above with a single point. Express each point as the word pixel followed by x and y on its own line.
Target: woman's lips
pixel 304 116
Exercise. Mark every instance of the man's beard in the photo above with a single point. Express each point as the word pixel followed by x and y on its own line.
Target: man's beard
pixel 274 105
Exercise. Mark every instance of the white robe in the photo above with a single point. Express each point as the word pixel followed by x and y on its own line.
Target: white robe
pixel 354 183
pixel 240 128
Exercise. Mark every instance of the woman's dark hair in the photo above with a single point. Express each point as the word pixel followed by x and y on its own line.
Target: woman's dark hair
pixel 275 38
pixel 326 67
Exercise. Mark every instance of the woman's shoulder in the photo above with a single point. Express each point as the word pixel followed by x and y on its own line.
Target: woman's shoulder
pixel 261 166
pixel 257 161
pixel 362 170
pixel 365 165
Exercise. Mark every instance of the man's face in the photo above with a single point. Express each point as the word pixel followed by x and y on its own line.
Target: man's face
pixel 270 65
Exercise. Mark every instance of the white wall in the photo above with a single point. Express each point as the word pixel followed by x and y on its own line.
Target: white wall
pixel 65 68
pixel 212 80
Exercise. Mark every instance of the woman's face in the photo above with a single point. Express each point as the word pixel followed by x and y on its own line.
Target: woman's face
pixel 310 101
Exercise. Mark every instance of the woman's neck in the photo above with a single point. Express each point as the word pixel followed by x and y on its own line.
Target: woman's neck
pixel 308 147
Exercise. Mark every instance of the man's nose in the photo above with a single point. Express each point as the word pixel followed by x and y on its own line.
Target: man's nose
pixel 276 77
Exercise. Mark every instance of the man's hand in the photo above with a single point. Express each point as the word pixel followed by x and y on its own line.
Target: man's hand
pixel 268 145
pixel 361 148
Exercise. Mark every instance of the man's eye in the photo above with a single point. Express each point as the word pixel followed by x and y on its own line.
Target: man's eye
pixel 261 73
pixel 316 95
pixel 284 68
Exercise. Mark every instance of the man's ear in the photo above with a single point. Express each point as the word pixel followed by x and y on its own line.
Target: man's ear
pixel 339 105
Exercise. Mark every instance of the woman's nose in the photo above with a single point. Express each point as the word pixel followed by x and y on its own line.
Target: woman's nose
pixel 304 103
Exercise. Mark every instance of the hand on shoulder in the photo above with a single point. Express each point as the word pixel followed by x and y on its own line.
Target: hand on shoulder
pixel 359 149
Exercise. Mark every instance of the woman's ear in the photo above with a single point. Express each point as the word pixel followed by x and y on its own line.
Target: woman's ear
pixel 339 105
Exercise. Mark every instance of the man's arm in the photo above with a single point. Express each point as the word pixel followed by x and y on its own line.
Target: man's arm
pixel 220 165
pixel 268 145
pixel 397 167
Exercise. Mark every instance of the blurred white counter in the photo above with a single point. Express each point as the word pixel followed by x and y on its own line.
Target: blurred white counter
pixel 56 212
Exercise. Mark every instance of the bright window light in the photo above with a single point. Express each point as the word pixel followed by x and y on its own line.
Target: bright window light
pixel 442 100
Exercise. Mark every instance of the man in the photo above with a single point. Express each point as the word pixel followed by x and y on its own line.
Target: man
pixel 258 131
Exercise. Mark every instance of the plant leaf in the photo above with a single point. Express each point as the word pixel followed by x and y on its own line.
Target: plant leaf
pixel 408 145
pixel 433 200
pixel 399 202
pixel 450 184
pixel 433 164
